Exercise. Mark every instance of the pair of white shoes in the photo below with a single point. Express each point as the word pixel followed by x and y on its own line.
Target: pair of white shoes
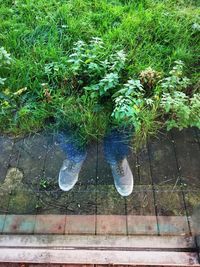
pixel 123 177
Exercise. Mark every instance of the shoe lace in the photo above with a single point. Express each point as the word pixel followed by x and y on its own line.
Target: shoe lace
pixel 71 166
pixel 119 169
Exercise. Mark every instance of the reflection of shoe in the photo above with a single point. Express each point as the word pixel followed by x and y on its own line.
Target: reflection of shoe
pixel 69 172
pixel 68 175
pixel 123 177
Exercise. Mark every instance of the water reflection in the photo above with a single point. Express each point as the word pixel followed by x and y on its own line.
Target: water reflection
pixel 75 156
pixel 116 150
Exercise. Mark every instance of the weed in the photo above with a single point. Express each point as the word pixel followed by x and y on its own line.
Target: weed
pixel 149 78
pixel 183 111
pixel 44 184
pixel 176 80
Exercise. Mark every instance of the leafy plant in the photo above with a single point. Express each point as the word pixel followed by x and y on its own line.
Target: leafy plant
pixel 183 111
pixel 5 60
pixel 127 103
pixel 93 70
pixel 109 82
pixel 132 88
pixel 53 70
pixel 195 110
pixel 44 184
pixel 176 80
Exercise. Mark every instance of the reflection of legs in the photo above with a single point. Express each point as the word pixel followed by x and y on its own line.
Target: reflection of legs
pixel 69 172
pixel 116 149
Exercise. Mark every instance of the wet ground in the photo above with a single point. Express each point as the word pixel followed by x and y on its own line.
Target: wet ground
pixel 166 181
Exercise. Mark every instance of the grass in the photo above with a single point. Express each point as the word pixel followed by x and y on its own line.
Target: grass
pixel 39 35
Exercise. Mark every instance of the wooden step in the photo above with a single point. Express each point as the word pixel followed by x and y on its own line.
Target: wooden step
pixel 115 250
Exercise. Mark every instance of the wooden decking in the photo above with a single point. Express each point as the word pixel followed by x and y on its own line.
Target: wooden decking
pixel 166 176
pixel 77 250
pixel 165 201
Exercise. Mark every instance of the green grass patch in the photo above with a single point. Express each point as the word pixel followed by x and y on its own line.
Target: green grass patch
pixel 40 37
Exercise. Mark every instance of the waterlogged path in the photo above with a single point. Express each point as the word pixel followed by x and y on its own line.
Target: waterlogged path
pixel 165 199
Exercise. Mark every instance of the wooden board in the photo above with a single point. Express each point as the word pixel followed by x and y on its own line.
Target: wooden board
pixel 111 241
pixel 188 157
pixel 163 161
pixel 99 250
pixel 6 146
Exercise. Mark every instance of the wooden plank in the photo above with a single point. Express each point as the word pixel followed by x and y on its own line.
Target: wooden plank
pixel 32 153
pixel 80 224
pixel 111 225
pixel 2 221
pixel 44 265
pixel 197 131
pixel 88 241
pixel 169 198
pixel 173 225
pixel 6 146
pixel 141 225
pixel 50 224
pixel 144 170
pixel 192 198
pixel 171 211
pixel 98 257
pixel 7 189
pixel 88 174
pixel 140 204
pixel 169 201
pixel 19 224
pixel 188 156
pixel 109 201
pixel 5 197
pixel 163 161
pixel 23 201
pixel 81 200
pixel 105 224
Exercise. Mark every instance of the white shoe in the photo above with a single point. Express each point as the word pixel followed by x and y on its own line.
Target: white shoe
pixel 123 177
pixel 68 175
